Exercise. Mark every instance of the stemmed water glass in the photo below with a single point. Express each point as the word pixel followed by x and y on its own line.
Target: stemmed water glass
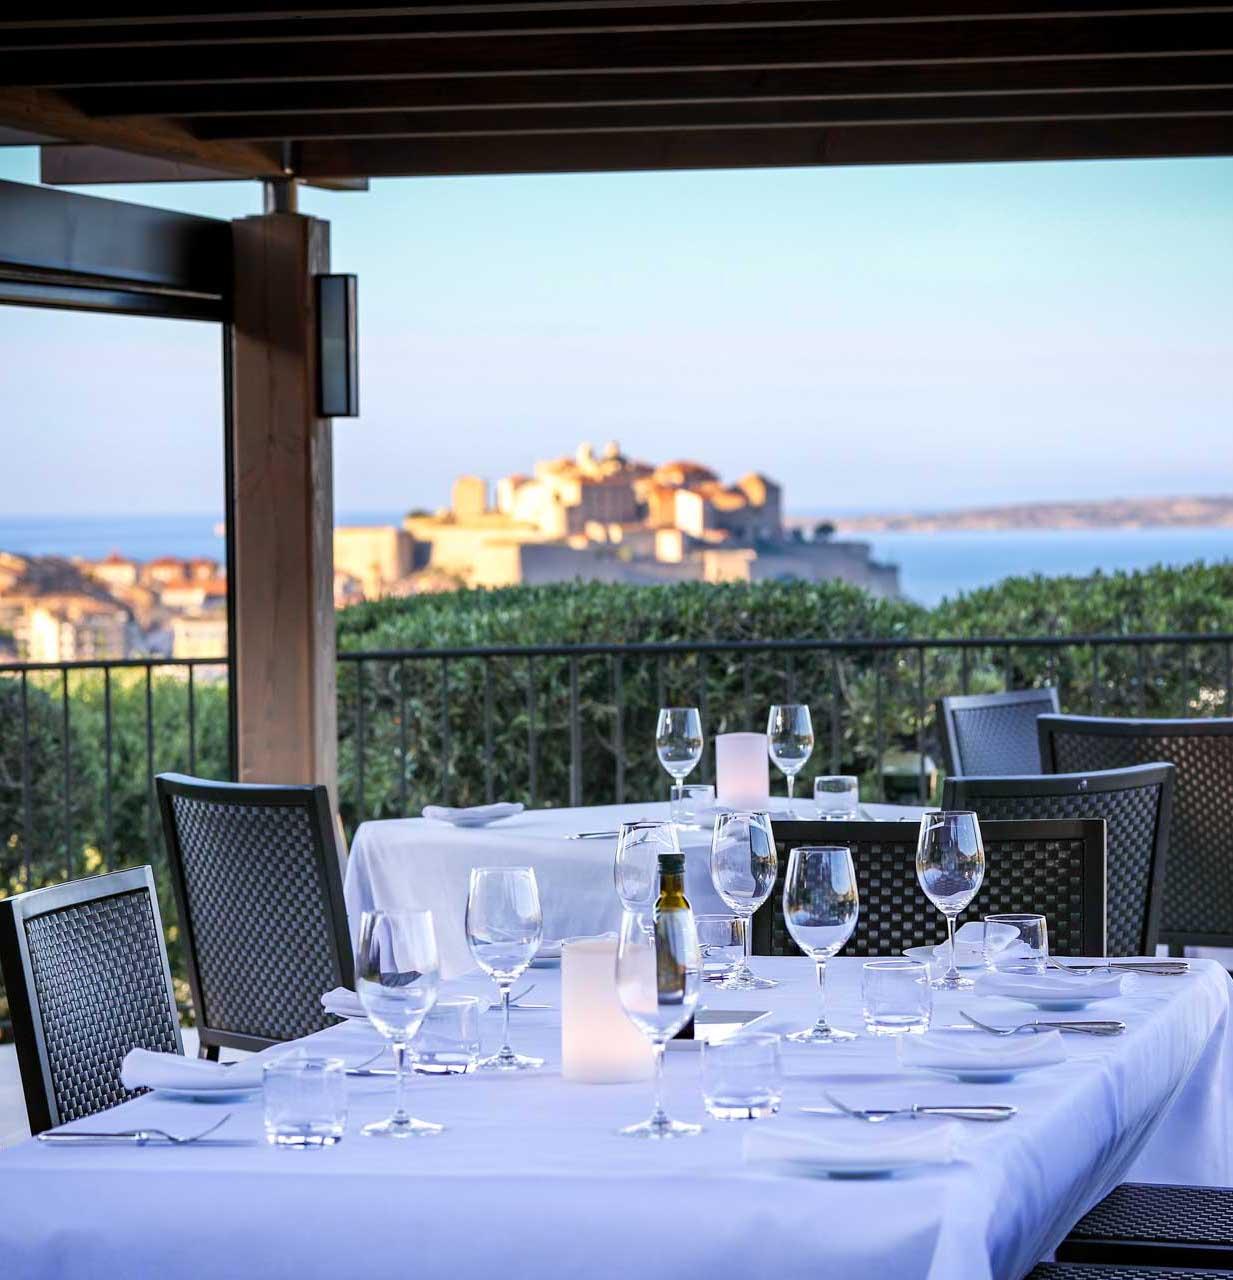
pixel 635 870
pixel 396 977
pixel 820 909
pixel 504 929
pixel 789 741
pixel 678 741
pixel 950 865
pixel 658 975
pixel 743 867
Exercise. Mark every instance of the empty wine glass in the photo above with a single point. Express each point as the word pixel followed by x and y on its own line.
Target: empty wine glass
pixel 678 740
pixel 743 867
pixel 950 865
pixel 396 977
pixel 820 909
pixel 658 975
pixel 789 740
pixel 504 929
pixel 635 870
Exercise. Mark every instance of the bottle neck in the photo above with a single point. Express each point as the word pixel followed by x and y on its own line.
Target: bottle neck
pixel 672 893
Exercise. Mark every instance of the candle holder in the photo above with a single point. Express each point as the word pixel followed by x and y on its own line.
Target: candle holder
pixel 742 771
pixel 599 1044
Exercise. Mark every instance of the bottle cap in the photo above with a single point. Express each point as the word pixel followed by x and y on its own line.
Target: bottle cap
pixel 671 864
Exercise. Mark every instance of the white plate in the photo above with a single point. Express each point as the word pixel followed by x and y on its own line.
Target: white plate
pixel 1060 1005
pixel 209 1095
pixel 984 1075
pixel 925 956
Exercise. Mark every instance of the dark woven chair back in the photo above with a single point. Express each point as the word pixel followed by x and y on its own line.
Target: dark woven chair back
pixel 994 733
pixel 1135 803
pixel 1054 868
pixel 86 973
pixel 1198 890
pixel 258 884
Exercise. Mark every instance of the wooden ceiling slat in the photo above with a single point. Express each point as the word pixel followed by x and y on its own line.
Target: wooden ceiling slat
pixel 728 115
pixel 660 88
pixel 761 148
pixel 873 44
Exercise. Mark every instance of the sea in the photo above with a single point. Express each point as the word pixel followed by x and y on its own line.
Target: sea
pixel 932 565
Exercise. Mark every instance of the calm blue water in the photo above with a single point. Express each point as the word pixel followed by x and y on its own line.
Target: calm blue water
pixel 932 565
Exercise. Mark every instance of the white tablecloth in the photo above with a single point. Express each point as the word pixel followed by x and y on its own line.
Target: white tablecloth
pixel 531 1181
pixel 411 862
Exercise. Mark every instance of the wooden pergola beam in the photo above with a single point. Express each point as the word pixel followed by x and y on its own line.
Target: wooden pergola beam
pixel 633 52
pixel 772 148
pixel 596 90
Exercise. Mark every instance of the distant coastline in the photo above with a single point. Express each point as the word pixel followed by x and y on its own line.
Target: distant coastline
pixel 1212 512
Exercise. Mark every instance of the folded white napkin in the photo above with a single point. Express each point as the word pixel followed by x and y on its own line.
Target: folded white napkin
pixel 873 1149
pixel 1049 986
pixel 145 1069
pixel 957 1050
pixel 973 944
pixel 479 815
pixel 342 1002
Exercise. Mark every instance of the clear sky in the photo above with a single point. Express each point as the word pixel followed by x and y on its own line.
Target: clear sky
pixel 876 338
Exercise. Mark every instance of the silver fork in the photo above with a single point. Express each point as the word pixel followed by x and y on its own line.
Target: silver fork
pixel 875 1115
pixel 1091 1027
pixel 138 1137
pixel 1154 968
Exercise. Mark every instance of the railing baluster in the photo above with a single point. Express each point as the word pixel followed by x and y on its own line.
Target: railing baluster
pixel 490 782
pixel 618 727
pixel 704 710
pixel 531 765
pixel 660 691
pixel 922 790
pixel 790 677
pixel 1097 693
pixel 361 742
pixel 575 738
pixel 27 790
pixel 1228 679
pixel 151 807
pixel 1008 669
pixel 1140 680
pixel 68 775
pixel 836 712
pixel 747 688
pixel 877 715
pixel 965 670
pixel 192 720
pixel 402 737
pixel 1185 679
pixel 445 731
pixel 109 835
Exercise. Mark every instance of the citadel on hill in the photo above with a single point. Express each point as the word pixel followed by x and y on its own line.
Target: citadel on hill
pixel 601 517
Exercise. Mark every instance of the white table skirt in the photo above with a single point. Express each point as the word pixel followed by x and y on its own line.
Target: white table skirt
pixel 411 862
pixel 530 1180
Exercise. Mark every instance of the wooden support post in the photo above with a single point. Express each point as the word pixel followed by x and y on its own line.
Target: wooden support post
pixel 283 508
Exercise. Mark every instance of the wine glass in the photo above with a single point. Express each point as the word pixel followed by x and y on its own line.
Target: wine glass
pixel 820 909
pixel 678 741
pixel 950 865
pixel 743 866
pixel 635 870
pixel 504 929
pixel 658 975
pixel 789 740
pixel 396 977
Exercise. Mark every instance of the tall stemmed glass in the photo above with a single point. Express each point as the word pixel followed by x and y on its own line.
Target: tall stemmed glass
pixel 396 978
pixel 678 741
pixel 635 870
pixel 658 975
pixel 743 867
pixel 504 929
pixel 950 865
pixel 820 908
pixel 789 741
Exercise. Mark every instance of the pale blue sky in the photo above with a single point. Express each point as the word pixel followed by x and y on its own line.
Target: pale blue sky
pixel 920 337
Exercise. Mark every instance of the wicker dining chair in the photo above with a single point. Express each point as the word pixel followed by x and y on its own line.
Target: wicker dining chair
pixel 1056 868
pixel 993 733
pixel 85 968
pixel 1119 1271
pixel 1135 803
pixel 1197 905
pixel 258 884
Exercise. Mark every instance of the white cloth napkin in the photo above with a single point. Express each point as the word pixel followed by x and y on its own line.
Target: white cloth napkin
pixel 479 815
pixel 145 1069
pixel 1049 986
pixel 342 1002
pixel 841 1150
pixel 973 944
pixel 957 1050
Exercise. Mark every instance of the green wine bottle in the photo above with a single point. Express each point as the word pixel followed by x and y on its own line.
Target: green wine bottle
pixel 670 972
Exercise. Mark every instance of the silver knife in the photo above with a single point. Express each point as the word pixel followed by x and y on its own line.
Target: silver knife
pixel 135 1138
pixel 593 835
pixel 982 1111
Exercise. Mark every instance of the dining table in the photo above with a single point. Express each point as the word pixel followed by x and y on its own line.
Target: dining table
pixel 531 1179
pixel 421 863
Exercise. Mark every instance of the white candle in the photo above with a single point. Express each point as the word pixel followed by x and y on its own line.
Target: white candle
pixel 742 770
pixel 599 1044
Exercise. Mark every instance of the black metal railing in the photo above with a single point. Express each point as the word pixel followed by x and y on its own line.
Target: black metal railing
pixel 573 724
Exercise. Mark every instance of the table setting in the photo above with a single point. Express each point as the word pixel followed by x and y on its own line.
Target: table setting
pixel 944 1114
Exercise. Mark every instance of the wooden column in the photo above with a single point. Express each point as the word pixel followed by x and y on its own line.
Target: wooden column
pixel 283 512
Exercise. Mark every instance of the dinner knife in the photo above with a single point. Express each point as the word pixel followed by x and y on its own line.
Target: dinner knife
pixel 982 1111
pixel 134 1138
